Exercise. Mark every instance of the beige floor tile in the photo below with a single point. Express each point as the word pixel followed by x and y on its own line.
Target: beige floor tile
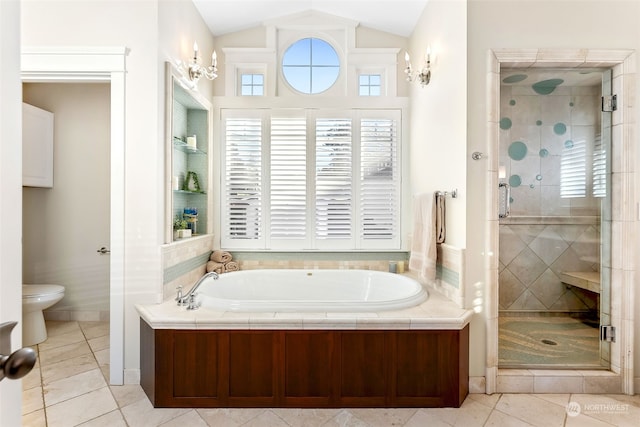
pixel 127 394
pixel 531 409
pixel 488 400
pixel 102 356
pixel 632 400
pixel 584 421
pixel 34 419
pixel 81 409
pixel 142 413
pixel 385 416
pixel 229 417
pixel 65 352
pixel 190 419
pixel 32 400
pixel 68 368
pixel 345 418
pixel 55 327
pixel 94 329
pixel 55 341
pixel 608 409
pixel 558 399
pixel 111 419
pixel 105 372
pixel 423 418
pixel 99 343
pixel 306 417
pixel 499 419
pixel 32 379
pixel 74 386
pixel 470 414
pixel 267 419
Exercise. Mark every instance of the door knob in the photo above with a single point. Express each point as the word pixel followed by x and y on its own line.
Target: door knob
pixel 103 250
pixel 17 364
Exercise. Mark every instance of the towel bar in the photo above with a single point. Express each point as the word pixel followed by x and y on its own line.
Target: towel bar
pixel 452 193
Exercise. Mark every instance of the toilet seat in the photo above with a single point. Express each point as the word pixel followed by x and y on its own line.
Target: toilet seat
pixel 35 291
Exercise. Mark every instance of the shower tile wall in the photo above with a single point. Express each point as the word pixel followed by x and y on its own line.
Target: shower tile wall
pixel 532 258
pixel 541 126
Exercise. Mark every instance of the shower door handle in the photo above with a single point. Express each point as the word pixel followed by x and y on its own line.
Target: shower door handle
pixel 505 204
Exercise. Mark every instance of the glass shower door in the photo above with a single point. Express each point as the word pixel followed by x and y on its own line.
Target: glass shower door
pixel 555 244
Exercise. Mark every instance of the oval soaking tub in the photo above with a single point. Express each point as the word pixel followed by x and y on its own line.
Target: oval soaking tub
pixel 291 290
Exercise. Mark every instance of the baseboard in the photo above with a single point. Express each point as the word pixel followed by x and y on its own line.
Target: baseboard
pixel 77 315
pixel 132 376
pixel 477 385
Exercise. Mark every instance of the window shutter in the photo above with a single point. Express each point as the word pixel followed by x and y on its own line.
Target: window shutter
pixel 242 202
pixel 599 168
pixel 379 181
pixel 573 174
pixel 288 178
pixel 304 179
pixel 334 180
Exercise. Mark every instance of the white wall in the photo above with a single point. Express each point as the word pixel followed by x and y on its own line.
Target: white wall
pixel 64 226
pixel 438 132
pixel 135 25
pixel 531 24
pixel 10 196
pixel 438 135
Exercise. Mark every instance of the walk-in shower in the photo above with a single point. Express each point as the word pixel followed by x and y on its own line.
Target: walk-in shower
pixel 554 243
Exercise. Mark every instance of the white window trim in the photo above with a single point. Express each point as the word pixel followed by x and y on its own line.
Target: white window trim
pixel 241 70
pixel 372 72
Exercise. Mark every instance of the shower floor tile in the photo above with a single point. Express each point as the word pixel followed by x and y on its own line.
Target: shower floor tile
pixel 539 342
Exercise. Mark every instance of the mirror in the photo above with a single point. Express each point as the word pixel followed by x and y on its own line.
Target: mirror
pixel 187 168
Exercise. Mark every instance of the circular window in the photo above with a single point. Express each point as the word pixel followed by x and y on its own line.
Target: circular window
pixel 310 66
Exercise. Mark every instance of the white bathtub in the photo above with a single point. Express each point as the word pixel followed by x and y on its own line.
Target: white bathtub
pixel 310 291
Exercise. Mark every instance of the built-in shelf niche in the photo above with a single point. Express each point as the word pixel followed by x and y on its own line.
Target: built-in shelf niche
pixel 188 144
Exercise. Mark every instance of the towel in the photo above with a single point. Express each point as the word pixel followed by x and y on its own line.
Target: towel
pixel 220 256
pixel 218 267
pixel 231 266
pixel 423 244
pixel 440 215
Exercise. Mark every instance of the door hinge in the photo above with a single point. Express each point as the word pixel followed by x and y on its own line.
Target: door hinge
pixel 607 333
pixel 609 103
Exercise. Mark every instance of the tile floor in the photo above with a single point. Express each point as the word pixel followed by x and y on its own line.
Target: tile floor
pixel 68 387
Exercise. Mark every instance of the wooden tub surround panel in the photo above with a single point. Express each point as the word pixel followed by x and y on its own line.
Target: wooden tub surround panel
pixel 304 368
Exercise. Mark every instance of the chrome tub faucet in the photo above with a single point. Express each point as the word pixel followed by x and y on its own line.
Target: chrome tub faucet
pixel 189 297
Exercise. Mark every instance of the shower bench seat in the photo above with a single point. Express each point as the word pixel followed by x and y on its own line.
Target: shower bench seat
pixel 589 280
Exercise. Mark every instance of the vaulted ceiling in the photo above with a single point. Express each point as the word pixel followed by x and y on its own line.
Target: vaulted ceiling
pixel 392 16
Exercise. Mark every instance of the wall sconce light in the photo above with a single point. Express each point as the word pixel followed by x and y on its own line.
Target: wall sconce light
pixel 423 76
pixel 196 70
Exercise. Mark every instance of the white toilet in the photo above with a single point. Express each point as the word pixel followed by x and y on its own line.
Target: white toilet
pixel 36 298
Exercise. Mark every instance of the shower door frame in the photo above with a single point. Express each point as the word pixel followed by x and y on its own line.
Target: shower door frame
pixel 620 378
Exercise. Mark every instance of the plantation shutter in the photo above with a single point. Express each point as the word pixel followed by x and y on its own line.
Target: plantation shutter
pixel 379 181
pixel 573 170
pixel 288 180
pixel 333 180
pixel 242 205
pixel 599 168
pixel 307 179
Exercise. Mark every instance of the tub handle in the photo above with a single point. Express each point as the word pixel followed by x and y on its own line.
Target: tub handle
pixel 505 205
pixel 192 303
pixel 179 296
